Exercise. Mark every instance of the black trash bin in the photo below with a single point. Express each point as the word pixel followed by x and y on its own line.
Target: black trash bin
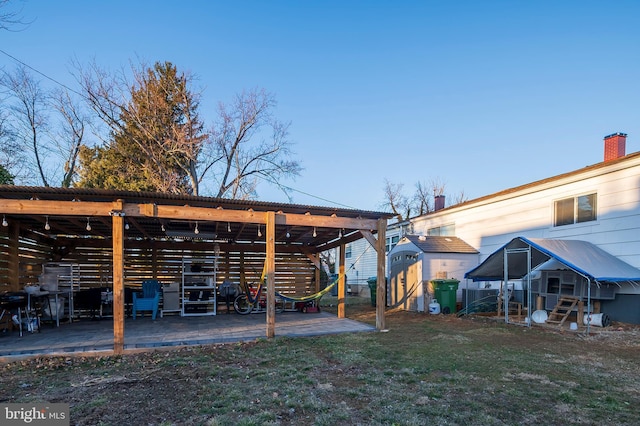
pixel 373 289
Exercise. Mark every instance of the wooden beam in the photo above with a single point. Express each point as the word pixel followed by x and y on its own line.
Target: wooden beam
pixel 341 281
pixel 58 208
pixel 271 274
pixel 315 259
pixel 245 216
pixel 369 237
pixel 14 256
pixel 118 284
pixel 381 288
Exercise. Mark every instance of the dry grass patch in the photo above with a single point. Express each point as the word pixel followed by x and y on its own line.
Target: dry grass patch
pixel 425 370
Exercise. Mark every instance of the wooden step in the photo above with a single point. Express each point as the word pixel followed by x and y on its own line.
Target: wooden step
pixel 562 310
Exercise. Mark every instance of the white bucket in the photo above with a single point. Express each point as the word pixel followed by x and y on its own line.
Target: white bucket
pixel 434 307
pixel 599 320
pixel 573 326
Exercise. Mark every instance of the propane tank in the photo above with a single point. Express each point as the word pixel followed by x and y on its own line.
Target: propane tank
pixel 434 307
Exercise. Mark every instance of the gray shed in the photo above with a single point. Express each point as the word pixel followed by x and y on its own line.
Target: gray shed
pixel 418 259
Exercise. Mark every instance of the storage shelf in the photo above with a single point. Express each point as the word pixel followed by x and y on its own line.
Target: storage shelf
pixel 196 284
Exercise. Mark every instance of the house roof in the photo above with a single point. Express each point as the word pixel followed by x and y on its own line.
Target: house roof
pixel 440 244
pixel 582 257
pixel 538 183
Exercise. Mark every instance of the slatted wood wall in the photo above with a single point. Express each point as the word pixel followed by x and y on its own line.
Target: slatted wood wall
pixel 295 274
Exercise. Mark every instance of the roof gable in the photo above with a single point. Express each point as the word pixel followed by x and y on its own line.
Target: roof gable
pixel 440 244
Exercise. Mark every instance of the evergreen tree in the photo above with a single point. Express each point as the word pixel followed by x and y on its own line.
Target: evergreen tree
pixel 156 139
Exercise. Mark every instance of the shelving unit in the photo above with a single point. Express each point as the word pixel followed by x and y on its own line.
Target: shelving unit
pixel 199 286
pixel 67 277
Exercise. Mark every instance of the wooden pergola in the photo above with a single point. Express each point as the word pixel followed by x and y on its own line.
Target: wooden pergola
pixel 51 223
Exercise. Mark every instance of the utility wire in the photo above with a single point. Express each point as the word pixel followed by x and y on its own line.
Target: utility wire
pixel 42 74
pixel 85 97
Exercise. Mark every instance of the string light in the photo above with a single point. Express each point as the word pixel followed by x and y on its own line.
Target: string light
pixel 162 227
pixel 228 226
pixel 88 225
pixel 259 231
pixel 315 234
pixel 340 234
pixel 46 224
pixel 4 221
pixel 288 234
pixel 126 226
pixel 196 231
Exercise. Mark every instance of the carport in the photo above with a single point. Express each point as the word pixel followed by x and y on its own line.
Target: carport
pixel 127 237
pixel 521 256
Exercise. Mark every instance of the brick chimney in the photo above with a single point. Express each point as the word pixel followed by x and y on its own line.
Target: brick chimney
pixel 438 202
pixel 614 146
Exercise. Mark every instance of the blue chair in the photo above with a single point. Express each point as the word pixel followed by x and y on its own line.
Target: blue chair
pixel 148 300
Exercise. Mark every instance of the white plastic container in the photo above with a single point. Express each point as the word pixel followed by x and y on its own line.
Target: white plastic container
pixel 600 320
pixel 434 307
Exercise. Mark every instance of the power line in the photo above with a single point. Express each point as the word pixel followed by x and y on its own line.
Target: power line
pixel 42 74
pixel 82 95
pixel 306 193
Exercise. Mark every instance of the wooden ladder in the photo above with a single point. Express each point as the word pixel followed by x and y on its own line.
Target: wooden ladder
pixel 563 308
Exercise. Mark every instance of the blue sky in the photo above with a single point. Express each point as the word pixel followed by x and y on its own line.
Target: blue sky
pixel 482 95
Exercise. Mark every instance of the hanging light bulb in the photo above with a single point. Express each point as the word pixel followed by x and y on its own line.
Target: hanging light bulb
pixel 4 221
pixel 228 226
pixel 126 226
pixel 88 225
pixel 47 227
pixel 288 234
pixel 162 227
pixel 340 234
pixel 259 231
pixel 196 230
pixel 315 234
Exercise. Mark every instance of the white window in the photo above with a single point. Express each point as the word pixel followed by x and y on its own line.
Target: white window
pixel 443 231
pixel 575 210
pixel 391 242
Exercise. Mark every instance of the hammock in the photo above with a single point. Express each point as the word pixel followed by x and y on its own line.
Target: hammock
pixel 310 297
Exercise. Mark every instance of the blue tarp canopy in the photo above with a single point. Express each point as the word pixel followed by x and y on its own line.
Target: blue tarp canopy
pixel 582 257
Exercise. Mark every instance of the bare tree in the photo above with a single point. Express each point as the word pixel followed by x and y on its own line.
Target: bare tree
pixel 71 133
pixel 29 106
pixel 10 19
pixel 396 200
pixel 422 201
pixel 459 198
pixel 249 143
pixel 423 198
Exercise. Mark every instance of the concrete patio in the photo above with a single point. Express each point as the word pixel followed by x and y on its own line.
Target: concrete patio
pixel 95 336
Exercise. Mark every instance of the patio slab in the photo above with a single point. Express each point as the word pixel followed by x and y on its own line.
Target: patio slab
pixel 95 336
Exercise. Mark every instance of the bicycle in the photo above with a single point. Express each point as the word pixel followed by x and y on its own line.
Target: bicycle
pixel 252 299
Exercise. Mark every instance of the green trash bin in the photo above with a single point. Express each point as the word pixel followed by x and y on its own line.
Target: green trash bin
pixel 373 289
pixel 445 292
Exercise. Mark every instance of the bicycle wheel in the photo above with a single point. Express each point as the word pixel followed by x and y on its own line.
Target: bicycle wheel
pixel 242 305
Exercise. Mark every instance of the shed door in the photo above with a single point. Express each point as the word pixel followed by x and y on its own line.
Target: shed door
pixel 404 281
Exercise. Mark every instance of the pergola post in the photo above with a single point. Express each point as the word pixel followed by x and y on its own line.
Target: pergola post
pixel 341 280
pixel 270 272
pixel 118 284
pixel 381 288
